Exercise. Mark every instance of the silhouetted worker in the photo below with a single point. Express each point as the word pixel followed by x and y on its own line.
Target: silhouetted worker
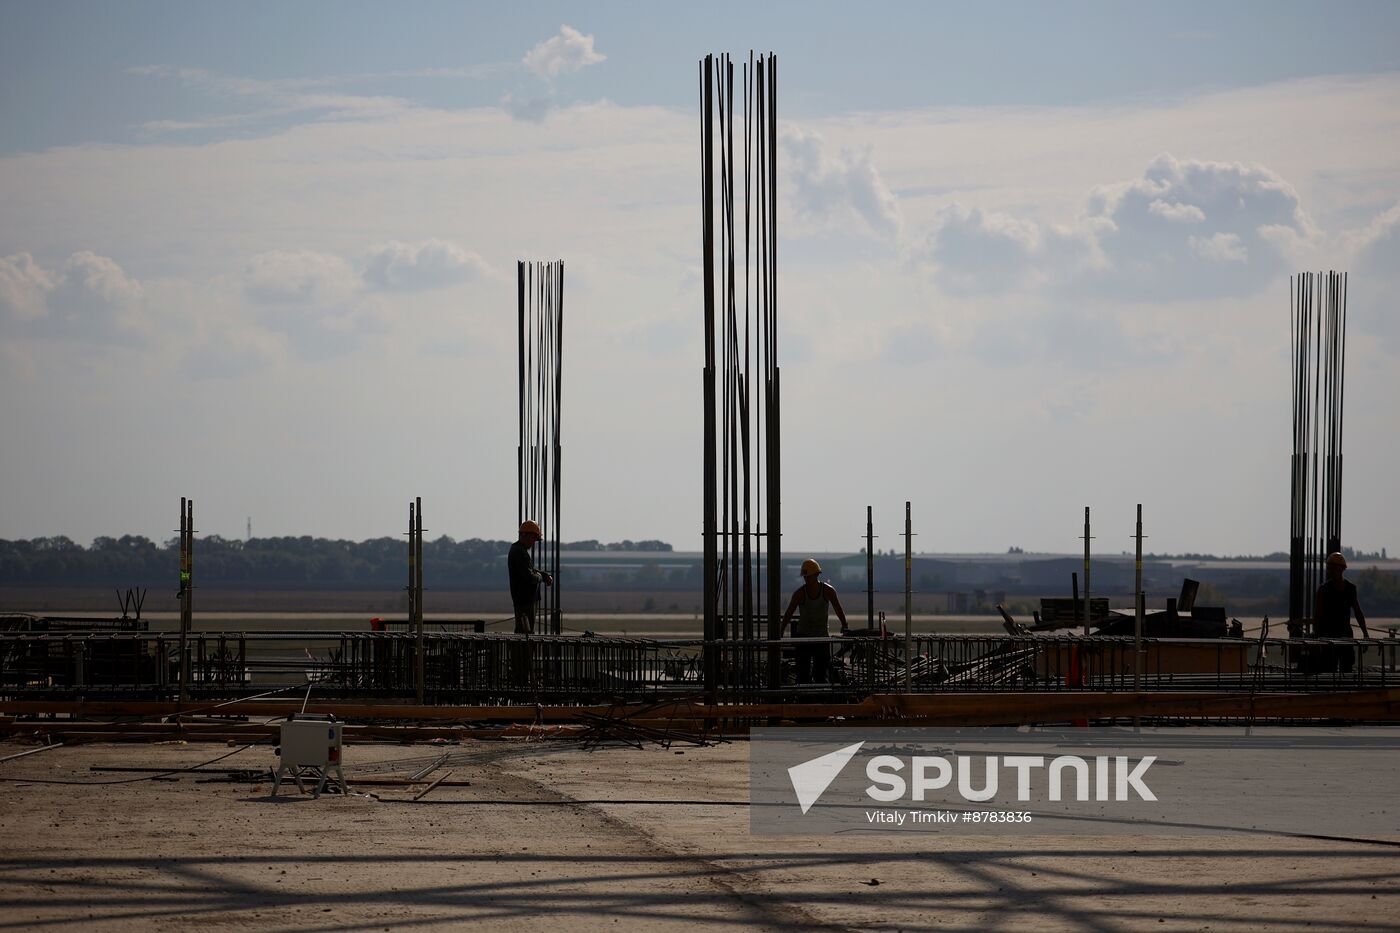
pixel 811 602
pixel 1333 607
pixel 524 593
pixel 524 578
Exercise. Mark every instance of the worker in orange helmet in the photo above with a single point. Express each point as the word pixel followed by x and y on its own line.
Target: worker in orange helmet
pixel 1333 606
pixel 525 580
pixel 812 601
pixel 525 583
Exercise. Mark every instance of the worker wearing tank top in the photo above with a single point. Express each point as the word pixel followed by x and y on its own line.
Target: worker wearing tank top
pixel 812 603
pixel 812 612
pixel 1333 607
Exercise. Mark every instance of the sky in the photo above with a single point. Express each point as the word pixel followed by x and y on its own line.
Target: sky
pixel 1032 257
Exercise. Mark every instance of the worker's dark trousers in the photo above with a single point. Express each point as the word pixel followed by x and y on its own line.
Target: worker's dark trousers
pixel 521 652
pixel 1340 658
pixel 812 661
pixel 1343 658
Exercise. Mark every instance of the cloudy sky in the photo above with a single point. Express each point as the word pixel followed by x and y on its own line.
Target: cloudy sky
pixel 1033 257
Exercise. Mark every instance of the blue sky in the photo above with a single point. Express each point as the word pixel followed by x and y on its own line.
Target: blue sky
pixel 64 66
pixel 1010 234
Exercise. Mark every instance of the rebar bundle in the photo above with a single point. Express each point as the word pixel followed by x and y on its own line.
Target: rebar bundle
pixel 1318 307
pixel 541 294
pixel 741 395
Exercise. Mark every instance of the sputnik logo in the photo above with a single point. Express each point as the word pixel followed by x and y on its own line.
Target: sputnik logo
pixel 811 778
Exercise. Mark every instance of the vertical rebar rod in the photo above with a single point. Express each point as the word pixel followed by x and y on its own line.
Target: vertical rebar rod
pixel 189 567
pixel 770 259
pixel 869 567
pixel 1317 326
pixel 520 515
pixel 908 596
pixel 558 491
pixel 412 574
pixel 707 237
pixel 741 389
pixel 1138 608
pixel 746 400
pixel 420 648
pixel 539 490
pixel 185 580
pixel 1341 397
pixel 412 587
pixel 1088 606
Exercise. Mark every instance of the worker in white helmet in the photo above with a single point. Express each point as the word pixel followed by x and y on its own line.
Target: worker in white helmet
pixel 811 602
pixel 1333 606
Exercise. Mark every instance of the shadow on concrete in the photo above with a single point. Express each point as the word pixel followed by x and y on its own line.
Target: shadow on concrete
pixel 961 889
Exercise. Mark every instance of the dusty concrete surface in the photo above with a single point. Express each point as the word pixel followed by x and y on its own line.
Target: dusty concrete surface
pixel 551 836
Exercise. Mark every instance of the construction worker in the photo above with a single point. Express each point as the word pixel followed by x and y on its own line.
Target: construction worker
pixel 525 580
pixel 525 583
pixel 1333 606
pixel 811 602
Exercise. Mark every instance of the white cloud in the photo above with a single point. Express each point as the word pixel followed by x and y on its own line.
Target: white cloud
pixel 24 287
pixel 89 277
pixel 565 53
pixel 1374 261
pixel 299 277
pixel 528 110
pixel 1223 247
pixel 1180 213
pixel 976 251
pixel 1186 228
pixel 428 264
pixel 836 188
pixel 88 297
pixel 1377 247
pixel 1236 248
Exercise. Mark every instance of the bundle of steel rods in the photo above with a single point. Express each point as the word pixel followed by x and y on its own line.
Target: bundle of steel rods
pixel 541 293
pixel 1318 322
pixel 740 424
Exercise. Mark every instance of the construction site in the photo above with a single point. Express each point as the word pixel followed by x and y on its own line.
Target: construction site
pixel 429 774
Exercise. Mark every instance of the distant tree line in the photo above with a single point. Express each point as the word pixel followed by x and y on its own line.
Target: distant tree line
pixel 315 563
pixel 307 563
pixel 1379 592
pixel 1349 553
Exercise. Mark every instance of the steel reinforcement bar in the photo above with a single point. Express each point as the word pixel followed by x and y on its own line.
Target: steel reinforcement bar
pixel 506 669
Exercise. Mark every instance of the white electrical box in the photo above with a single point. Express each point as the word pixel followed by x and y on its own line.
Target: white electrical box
pixel 311 748
pixel 310 743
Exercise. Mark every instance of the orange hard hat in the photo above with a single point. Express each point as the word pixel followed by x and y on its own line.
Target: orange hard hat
pixel 532 527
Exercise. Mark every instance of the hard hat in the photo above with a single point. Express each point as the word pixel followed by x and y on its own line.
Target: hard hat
pixel 530 526
pixel 1336 559
pixel 810 568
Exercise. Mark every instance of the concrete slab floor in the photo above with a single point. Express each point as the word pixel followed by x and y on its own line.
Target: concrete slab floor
pixel 552 836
